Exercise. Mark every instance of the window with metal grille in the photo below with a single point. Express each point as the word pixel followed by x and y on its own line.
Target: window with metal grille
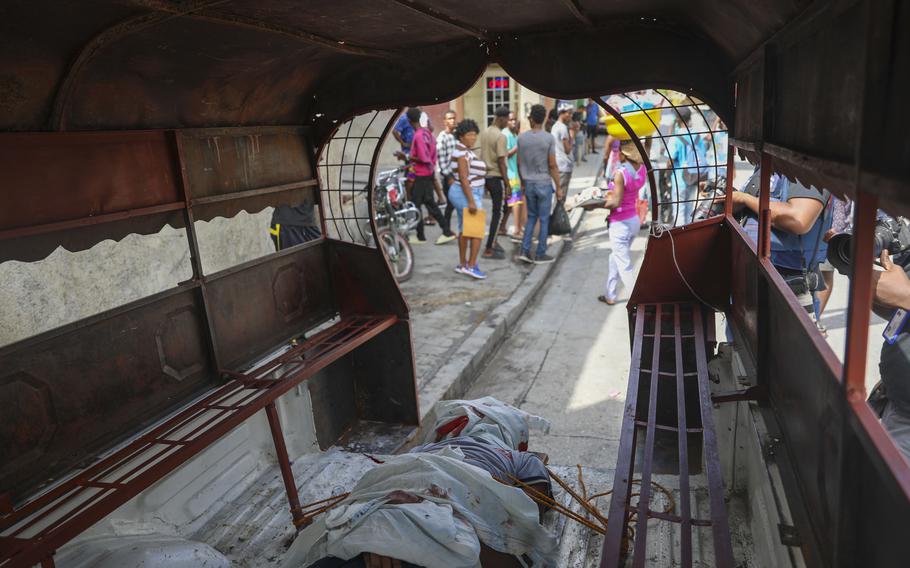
pixel 499 92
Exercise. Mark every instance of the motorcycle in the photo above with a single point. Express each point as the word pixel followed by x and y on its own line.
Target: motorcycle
pixel 395 217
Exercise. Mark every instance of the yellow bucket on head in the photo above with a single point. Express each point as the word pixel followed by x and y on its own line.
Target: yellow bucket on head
pixel 642 122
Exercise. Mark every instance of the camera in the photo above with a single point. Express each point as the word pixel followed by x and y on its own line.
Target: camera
pixel 706 206
pixel 891 234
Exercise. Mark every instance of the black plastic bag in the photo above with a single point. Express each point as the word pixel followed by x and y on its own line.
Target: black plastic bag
pixel 559 220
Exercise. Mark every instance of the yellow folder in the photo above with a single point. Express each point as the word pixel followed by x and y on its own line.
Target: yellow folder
pixel 474 225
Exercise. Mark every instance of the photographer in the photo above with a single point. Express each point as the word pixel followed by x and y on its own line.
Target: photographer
pixel 891 398
pixel 798 226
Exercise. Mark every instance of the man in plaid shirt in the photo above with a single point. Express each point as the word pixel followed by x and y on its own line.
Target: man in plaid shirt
pixel 445 145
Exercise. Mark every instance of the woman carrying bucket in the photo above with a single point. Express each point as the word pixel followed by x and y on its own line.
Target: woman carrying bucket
pixel 628 178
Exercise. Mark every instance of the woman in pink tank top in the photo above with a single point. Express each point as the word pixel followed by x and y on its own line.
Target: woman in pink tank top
pixel 628 179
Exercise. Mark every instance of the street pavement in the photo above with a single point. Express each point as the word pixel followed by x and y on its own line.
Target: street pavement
pixel 446 307
pixel 568 358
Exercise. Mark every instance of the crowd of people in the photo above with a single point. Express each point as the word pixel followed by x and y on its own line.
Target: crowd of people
pixel 520 172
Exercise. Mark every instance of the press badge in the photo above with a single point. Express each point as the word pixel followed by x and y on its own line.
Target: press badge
pixel 895 326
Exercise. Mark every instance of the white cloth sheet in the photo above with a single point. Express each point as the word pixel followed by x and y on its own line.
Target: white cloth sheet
pixel 462 506
pixel 489 420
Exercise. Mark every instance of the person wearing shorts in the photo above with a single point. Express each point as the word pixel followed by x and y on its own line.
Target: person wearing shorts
pixel 563 139
pixel 516 198
pixel 466 192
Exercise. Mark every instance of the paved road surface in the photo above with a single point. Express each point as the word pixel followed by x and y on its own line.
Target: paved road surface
pixel 568 359
pixel 446 307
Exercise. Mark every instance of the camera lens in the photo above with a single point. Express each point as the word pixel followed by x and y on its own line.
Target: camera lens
pixel 839 252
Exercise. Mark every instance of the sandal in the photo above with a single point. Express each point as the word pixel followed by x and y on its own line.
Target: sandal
pixel 605 300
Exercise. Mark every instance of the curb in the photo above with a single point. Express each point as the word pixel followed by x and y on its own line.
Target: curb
pixel 457 375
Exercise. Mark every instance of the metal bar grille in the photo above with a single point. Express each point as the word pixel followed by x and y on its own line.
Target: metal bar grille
pixel 670 198
pixel 346 176
pixel 32 532
pixel 671 359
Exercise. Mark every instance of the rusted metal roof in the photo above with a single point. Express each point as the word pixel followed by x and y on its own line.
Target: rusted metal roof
pixel 802 75
pixel 170 64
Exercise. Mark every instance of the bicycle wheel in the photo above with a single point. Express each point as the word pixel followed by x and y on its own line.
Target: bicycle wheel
pixel 398 253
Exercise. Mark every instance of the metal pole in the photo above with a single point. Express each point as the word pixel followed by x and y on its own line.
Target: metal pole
pixel 858 311
pixel 284 464
pixel 763 246
pixel 728 197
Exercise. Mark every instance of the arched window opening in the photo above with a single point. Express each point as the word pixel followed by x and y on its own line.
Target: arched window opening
pixel 346 175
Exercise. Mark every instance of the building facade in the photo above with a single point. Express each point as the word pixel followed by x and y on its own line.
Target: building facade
pixel 495 88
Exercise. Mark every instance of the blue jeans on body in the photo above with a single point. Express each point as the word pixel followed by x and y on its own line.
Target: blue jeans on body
pixel 539 198
pixel 460 202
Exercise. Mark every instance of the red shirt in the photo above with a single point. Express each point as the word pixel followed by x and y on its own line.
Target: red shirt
pixel 423 153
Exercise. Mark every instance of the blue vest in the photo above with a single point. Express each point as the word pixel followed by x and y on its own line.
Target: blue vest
pixel 795 252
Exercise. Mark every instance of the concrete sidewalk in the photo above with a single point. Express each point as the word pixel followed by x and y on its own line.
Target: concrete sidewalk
pixel 458 322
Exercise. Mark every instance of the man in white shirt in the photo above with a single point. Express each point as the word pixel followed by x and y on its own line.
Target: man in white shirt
pixel 564 162
pixel 445 145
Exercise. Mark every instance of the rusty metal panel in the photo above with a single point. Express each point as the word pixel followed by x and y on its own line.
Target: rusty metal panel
pixel 52 178
pixel 816 105
pixel 875 505
pixel 256 306
pixel 334 407
pixel 750 100
pixel 363 281
pixel 809 402
pixel 71 393
pixel 802 375
pixel 227 170
pixel 221 161
pixel 198 72
pixel 38 245
pixel 37 43
pixel 744 287
pixel 884 151
pixel 385 385
pixel 78 189
pixel 675 60
pixel 702 257
pixel 373 383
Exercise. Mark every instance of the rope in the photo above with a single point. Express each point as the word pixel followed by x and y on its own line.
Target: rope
pixel 658 231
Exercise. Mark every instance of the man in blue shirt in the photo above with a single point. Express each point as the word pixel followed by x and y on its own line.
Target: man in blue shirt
pixel 592 118
pixel 798 226
pixel 404 133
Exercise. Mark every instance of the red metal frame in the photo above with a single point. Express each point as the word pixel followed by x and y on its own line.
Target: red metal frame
pixel 764 207
pixel 859 308
pixel 731 171
pixel 620 507
pixel 33 532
